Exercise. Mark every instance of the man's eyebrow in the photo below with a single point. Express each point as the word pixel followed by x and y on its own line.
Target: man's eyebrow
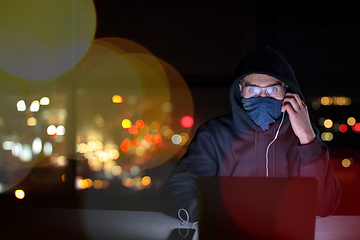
pixel 254 85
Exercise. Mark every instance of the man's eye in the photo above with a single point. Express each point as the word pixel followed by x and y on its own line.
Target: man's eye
pixel 271 89
pixel 253 90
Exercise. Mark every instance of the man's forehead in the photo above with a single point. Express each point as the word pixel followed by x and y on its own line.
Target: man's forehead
pixel 260 79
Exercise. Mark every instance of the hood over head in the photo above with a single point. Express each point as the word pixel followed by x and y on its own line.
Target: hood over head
pixel 266 60
pixel 263 60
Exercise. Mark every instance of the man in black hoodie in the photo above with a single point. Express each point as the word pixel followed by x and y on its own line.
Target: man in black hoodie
pixel 268 134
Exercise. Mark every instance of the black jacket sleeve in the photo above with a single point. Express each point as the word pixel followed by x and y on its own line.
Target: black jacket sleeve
pixel 315 162
pixel 179 192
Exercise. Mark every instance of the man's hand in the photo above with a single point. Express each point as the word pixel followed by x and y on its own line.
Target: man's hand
pixel 299 117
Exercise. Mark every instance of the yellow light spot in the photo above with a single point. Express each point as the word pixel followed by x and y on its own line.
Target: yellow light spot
pixel 105 184
pixel 51 130
pixel 347 101
pixel 82 184
pixel 35 106
pixel 326 101
pixel 340 101
pixel 146 180
pixel 346 162
pixel 31 121
pixel 351 121
pixel 328 123
pixel 63 177
pixel 114 154
pixel 98 184
pixel 44 101
pixel 126 124
pixel 89 182
pixel 83 148
pixel 327 136
pixel 21 106
pixel 117 99
pixel 129 183
pixel 140 151
pixel 168 133
pixel 116 170
pixel 61 161
pixel 184 138
pixel 20 194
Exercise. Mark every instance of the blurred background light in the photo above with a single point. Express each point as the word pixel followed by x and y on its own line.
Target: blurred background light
pixel 126 124
pixel 60 130
pixel 176 139
pixel 146 180
pixel 21 106
pixel 133 130
pixel 187 121
pixel 346 162
pixel 51 130
pixel 326 101
pixel 44 39
pixel 19 194
pixel 321 121
pixel 351 121
pixel 167 107
pixel 36 146
pixel 31 121
pixel 7 145
pixel 48 149
pixel 328 123
pixel 117 99
pixel 35 106
pixel 140 124
pixel 343 128
pixel 356 127
pixel 26 153
pixel 327 136
pixel 116 170
pixel 16 149
pixel 44 101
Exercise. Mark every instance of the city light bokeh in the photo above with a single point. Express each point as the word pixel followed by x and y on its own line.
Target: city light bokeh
pixel 122 118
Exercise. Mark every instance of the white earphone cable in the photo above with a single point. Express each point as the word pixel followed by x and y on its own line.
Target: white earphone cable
pixel 184 222
pixel 267 149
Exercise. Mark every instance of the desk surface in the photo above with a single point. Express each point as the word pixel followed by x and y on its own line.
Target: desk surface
pixel 51 223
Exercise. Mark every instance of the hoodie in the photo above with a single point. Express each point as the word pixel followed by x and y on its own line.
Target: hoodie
pixel 233 145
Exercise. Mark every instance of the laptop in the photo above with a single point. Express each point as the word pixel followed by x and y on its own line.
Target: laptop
pixel 256 208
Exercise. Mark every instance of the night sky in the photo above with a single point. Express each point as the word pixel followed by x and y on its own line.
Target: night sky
pixel 205 40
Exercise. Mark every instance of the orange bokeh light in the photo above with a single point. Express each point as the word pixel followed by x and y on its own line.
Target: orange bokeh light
pixel 136 143
pixel 157 138
pixel 117 99
pixel 133 130
pixel 140 123
pixel 148 138
pixel 125 145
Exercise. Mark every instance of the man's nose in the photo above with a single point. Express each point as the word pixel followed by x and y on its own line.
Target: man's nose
pixel 263 93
